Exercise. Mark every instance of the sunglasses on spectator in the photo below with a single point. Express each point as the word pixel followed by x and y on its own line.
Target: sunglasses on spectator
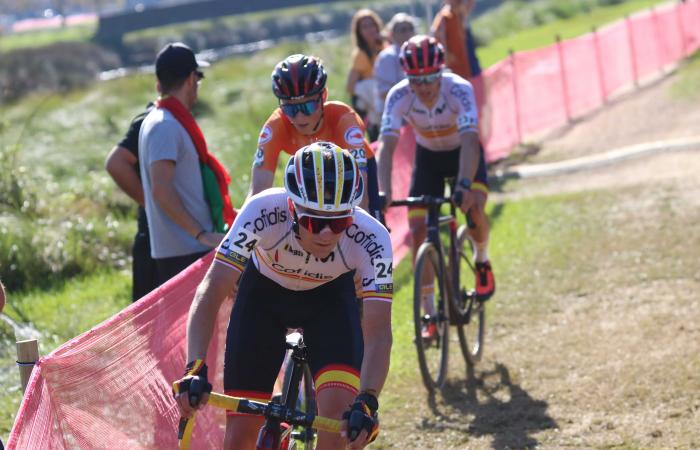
pixel 424 79
pixel 306 108
pixel 316 224
pixel 200 75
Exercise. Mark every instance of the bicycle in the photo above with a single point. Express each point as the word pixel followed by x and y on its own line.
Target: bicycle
pixel 285 424
pixel 454 301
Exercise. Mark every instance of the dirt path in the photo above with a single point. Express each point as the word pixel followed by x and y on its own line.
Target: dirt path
pixel 615 361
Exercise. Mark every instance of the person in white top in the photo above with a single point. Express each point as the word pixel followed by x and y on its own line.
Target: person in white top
pixel 387 67
pixel 441 109
pixel 295 251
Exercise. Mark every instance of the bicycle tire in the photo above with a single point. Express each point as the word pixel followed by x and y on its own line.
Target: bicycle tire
pixel 432 354
pixel 471 328
pixel 306 402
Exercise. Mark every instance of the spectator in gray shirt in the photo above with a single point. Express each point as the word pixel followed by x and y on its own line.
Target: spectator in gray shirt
pixel 180 223
pixel 387 68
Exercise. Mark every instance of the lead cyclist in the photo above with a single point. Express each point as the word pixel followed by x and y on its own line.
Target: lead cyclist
pixel 441 109
pixel 295 251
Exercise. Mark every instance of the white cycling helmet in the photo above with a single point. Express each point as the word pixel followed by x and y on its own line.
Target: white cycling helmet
pixel 326 168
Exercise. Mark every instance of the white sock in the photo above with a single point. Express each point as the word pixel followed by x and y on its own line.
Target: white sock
pixel 481 251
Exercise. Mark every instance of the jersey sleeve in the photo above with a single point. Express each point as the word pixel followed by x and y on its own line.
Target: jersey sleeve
pixel 467 118
pixel 270 142
pixel 240 241
pixel 393 110
pixel 351 132
pixel 375 263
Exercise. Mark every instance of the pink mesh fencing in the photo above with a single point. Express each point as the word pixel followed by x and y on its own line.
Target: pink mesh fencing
pixel 535 91
pixel 110 387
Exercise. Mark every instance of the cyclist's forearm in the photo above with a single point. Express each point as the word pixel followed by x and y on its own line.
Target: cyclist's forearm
pixel 375 363
pixel 469 156
pixel 261 179
pixel 364 203
pixel 205 308
pixel 385 159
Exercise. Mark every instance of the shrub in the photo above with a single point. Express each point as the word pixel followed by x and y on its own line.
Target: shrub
pixel 56 67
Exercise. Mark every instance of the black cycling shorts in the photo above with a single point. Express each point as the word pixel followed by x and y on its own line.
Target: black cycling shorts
pixel 432 168
pixel 264 310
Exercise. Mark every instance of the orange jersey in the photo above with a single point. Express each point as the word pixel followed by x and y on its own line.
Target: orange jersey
pixel 341 125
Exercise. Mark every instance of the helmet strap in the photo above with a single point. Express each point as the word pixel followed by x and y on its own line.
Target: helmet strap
pixel 323 112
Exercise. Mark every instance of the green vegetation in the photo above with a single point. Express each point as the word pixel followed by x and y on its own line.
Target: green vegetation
pixel 688 87
pixel 33 39
pixel 66 230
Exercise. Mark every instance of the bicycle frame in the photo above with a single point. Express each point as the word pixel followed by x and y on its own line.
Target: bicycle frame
pixel 435 221
pixel 271 434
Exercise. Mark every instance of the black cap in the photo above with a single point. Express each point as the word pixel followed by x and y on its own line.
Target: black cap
pixel 177 60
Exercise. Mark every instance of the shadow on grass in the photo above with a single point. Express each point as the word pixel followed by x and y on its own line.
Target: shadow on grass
pixel 499 408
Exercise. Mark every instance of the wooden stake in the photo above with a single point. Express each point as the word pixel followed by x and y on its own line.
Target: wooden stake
pixel 27 356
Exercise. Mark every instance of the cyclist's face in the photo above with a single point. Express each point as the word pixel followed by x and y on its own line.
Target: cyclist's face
pixel 427 93
pixel 305 123
pixel 319 244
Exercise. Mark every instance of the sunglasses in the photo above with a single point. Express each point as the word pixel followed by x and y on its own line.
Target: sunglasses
pixel 306 108
pixel 424 79
pixel 200 74
pixel 316 224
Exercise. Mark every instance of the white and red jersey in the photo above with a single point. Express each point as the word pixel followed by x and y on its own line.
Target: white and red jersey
pixel 263 230
pixel 437 128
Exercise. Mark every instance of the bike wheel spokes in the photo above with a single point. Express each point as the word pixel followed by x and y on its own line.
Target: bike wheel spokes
pixel 431 324
pixel 470 327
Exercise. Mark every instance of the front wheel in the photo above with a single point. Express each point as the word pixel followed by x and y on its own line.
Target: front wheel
pixel 430 317
pixel 470 327
pixel 303 438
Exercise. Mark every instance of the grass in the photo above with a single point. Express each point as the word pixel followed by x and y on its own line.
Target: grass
pixel 560 261
pixel 33 39
pixel 688 86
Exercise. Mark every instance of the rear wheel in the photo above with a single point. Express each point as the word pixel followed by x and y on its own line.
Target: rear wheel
pixel 470 327
pixel 430 316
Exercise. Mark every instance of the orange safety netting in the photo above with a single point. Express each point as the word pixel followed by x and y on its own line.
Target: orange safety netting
pixel 110 387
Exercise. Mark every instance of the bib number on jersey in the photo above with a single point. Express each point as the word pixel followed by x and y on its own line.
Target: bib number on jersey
pixel 383 275
pixel 238 246
pixel 360 156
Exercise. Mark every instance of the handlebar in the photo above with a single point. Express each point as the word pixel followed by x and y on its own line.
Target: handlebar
pixel 427 200
pixel 268 410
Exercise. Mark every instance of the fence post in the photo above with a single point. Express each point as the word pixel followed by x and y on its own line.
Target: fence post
pixel 633 52
pixel 27 356
pixel 660 50
pixel 562 77
pixel 514 77
pixel 599 64
pixel 681 30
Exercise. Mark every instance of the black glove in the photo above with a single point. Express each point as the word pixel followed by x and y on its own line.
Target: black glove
pixel 363 416
pixel 194 382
